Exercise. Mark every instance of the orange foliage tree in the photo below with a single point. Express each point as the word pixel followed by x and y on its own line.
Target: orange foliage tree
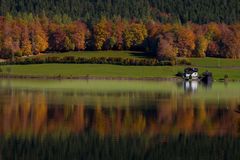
pixel 185 41
pixel 25 44
pixel 78 33
pixel 117 38
pixel 39 38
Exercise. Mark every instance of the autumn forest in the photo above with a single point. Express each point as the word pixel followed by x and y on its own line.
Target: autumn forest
pixel 120 79
pixel 28 35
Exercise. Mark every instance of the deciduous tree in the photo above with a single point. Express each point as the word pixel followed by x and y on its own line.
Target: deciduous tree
pixel 101 32
pixel 166 49
pixel 201 46
pixel 79 32
pixel 25 45
pixel 57 40
pixel 134 35
pixel 39 38
pixel 185 41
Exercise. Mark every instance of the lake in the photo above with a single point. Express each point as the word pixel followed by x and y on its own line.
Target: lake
pixel 104 119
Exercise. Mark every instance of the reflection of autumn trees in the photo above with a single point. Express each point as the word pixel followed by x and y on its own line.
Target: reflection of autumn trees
pixel 30 113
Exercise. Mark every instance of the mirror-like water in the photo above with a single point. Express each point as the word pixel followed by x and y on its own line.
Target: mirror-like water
pixel 119 120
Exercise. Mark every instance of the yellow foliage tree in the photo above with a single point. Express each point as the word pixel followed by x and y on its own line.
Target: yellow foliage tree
pixel 134 34
pixel 201 46
pixel 101 31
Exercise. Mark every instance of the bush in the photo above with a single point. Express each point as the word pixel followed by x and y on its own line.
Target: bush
pixel 81 60
pixel 52 60
pixel 183 62
pixel 37 60
pixel 102 60
pixel 95 60
pixel 28 61
pixel 68 59
pixel 1 70
pixel 179 74
pixel 18 54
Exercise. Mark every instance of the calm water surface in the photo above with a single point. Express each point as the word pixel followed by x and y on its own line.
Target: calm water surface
pixel 119 120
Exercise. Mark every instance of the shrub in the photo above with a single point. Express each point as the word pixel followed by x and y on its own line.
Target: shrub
pixel 28 61
pixel 183 62
pixel 172 63
pixel 68 59
pixel 81 60
pixel 19 61
pixel 37 60
pixel 94 60
pixel 52 60
pixel 1 70
pixel 179 74
pixel 167 63
pixel 126 61
pixel 110 60
pixel 132 62
pixel 18 54
pixel 102 60
pixel 154 62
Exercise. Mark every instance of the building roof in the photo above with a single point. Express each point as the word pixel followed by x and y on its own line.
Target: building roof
pixel 190 70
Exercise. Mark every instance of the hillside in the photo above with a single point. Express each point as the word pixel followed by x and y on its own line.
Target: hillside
pixel 197 11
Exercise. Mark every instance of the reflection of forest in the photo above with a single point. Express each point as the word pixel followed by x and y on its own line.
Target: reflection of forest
pixel 92 147
pixel 25 113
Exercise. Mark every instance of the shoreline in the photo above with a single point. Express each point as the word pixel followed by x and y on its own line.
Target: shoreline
pixel 29 77
pixel 87 78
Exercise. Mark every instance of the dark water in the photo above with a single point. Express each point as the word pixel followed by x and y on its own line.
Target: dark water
pixel 119 120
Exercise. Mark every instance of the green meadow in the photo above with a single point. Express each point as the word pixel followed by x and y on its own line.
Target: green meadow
pixel 218 66
pixel 103 70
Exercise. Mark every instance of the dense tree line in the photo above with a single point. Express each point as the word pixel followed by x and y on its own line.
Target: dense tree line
pixel 197 11
pixel 27 35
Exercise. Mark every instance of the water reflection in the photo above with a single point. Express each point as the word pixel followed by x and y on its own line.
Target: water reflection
pixel 193 86
pixel 171 112
pixel 190 86
pixel 118 120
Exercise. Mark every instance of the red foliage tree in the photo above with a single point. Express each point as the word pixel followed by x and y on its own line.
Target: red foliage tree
pixel 57 40
pixel 166 49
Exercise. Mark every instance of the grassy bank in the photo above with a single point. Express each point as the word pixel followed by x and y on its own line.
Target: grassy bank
pixel 101 70
pixel 218 66
pixel 215 62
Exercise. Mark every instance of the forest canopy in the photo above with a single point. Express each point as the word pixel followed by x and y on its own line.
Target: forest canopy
pixel 166 28
pixel 196 11
pixel 33 35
